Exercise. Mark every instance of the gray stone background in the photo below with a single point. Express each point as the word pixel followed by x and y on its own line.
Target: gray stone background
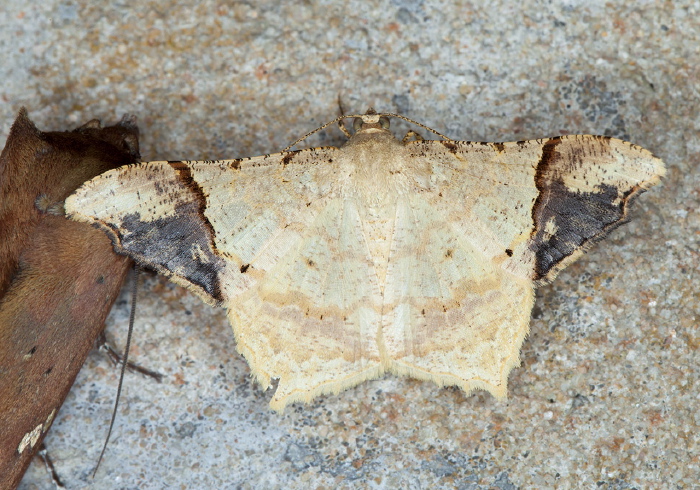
pixel 607 393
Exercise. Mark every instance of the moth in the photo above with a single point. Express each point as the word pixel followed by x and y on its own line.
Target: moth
pixel 58 278
pixel 336 265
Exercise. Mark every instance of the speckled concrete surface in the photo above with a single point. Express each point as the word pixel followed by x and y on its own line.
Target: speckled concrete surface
pixel 607 393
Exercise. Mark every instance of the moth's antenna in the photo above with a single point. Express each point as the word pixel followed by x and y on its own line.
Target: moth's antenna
pixel 417 124
pixel 336 120
pixel 132 314
pixel 348 116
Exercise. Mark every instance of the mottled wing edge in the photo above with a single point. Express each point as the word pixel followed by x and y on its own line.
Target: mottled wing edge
pixel 548 159
pixel 207 288
pixel 500 391
pixel 329 388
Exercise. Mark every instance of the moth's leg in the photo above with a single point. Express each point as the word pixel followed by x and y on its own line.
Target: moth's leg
pixel 411 134
pixel 342 127
pixel 341 123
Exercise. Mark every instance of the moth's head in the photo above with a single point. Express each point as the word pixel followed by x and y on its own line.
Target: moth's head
pixel 371 122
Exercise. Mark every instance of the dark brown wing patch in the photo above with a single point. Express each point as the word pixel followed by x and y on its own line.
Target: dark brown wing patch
pixel 566 220
pixel 177 245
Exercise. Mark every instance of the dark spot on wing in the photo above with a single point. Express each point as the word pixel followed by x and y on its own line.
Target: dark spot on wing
pixel 499 146
pixel 509 252
pixel 287 158
pixel 244 268
pixel 450 145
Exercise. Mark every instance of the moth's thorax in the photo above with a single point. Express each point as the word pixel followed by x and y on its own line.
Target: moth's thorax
pixel 378 167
